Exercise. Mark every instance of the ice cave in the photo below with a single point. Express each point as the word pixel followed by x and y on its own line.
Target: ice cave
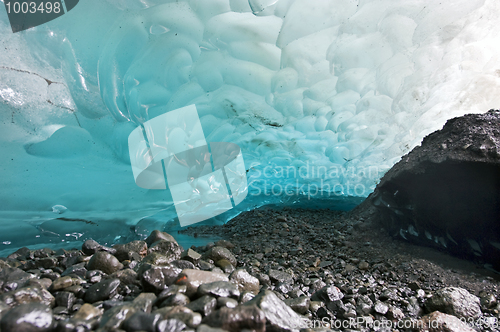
pixel 322 97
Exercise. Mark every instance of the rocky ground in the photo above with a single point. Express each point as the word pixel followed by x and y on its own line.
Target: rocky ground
pixel 286 270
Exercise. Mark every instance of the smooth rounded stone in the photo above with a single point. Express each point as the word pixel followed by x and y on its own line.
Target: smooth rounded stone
pixel 488 301
pixel 104 262
pixel 87 312
pixel 226 302
pixel 77 270
pixel 454 301
pixel 114 317
pixel 299 305
pixel 206 328
pixel 30 317
pixel 170 290
pixel 194 278
pixel 190 318
pixel 157 278
pixel 182 264
pixel 65 299
pixel 237 319
pixel 12 278
pixel 217 253
pixel 171 325
pixel 90 247
pixel 381 308
pixel 327 294
pixel 144 302
pixel 363 266
pixel 245 281
pixel 205 266
pixel 280 276
pixel 225 265
pixel 28 294
pixel 108 304
pixel 169 249
pixel 61 283
pixel 278 315
pixel 141 321
pixel 203 305
pixel 438 321
pixel 191 256
pixel 124 251
pixel 102 290
pixel 219 289
pixel 156 235
pixel 175 299
pixel 46 263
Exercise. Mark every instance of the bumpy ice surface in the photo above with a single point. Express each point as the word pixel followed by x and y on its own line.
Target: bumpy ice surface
pixel 321 96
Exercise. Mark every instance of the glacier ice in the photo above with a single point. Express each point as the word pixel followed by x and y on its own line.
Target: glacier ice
pixel 322 98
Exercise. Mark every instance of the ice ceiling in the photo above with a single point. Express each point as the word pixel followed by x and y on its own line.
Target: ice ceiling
pixel 322 97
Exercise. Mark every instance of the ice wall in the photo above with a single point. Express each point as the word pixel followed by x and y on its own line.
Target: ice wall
pixel 322 97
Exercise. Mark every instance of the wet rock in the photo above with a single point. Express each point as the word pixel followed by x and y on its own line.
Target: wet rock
pixel 226 302
pixel 72 325
pixel 237 319
pixel 126 276
pixel 28 294
pixel 114 317
pixel 12 278
pixel 171 325
pixel 156 235
pixel 244 281
pixel 102 290
pixel 65 299
pixel 87 312
pixel 299 305
pixel 61 283
pixel 104 262
pixel 90 247
pixel 191 255
pixel 203 305
pixel 186 315
pixel 125 251
pixel 171 250
pixel 219 289
pixel 144 302
pixel 170 290
pixel 431 179
pixel 157 278
pixel 175 300
pixel 225 265
pixel 440 322
pixel 279 317
pixel 182 264
pixel 454 301
pixel 194 278
pixel 217 253
pixel 30 317
pixel 77 270
pixel 141 321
